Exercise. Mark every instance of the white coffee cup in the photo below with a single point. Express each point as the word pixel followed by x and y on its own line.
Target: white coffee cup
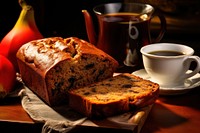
pixel 169 70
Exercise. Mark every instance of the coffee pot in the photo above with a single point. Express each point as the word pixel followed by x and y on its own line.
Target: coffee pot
pixel 123 29
pixel 92 36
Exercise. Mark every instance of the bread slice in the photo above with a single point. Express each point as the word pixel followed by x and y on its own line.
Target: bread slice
pixel 112 96
pixel 52 66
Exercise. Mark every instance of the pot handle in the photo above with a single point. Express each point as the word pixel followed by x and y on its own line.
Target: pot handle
pixel 163 25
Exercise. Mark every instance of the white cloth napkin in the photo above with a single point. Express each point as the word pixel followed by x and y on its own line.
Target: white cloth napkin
pixel 61 119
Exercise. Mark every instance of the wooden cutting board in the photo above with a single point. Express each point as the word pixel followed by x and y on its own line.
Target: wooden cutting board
pixel 130 122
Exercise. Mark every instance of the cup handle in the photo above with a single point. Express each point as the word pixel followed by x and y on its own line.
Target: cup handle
pixel 187 63
pixel 162 26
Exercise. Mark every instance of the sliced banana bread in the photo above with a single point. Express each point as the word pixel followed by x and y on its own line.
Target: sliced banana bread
pixel 112 96
pixel 52 66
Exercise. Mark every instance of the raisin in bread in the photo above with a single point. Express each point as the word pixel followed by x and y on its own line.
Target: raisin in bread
pixel 112 96
pixel 52 66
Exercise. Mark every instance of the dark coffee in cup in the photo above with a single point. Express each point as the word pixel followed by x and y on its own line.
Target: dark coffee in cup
pixel 169 64
pixel 166 53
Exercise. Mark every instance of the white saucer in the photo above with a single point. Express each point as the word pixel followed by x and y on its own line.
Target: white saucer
pixel 189 84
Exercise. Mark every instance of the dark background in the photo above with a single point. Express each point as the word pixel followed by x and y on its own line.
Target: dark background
pixel 53 17
pixel 64 18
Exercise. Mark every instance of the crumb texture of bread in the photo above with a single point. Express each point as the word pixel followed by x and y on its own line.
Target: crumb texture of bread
pixel 52 66
pixel 112 96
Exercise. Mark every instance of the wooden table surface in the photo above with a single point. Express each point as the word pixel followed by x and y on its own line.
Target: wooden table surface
pixel 175 114
pixel 170 114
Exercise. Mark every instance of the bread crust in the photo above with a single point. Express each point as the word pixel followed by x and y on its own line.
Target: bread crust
pixel 51 66
pixel 97 110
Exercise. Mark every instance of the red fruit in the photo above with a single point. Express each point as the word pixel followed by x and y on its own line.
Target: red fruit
pixel 7 76
pixel 25 30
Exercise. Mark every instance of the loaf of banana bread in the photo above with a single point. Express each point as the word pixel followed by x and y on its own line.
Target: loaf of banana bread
pixel 112 96
pixel 52 66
